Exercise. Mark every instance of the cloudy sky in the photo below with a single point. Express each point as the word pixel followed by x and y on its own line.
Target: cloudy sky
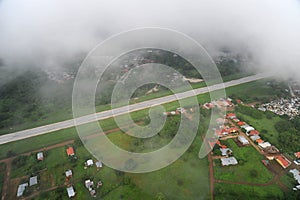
pixel 49 32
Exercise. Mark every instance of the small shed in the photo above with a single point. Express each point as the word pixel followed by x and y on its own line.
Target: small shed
pixel 71 192
pixel 33 181
pixel 69 173
pixel 40 156
pixel 21 189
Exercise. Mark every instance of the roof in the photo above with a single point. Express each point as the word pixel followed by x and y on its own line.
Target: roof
pixel 243 140
pixel 231 115
pixel 283 161
pixel 89 162
pixel 264 145
pixel 297 154
pixel 240 123
pixel 296 174
pixel 259 141
pixel 254 132
pixel 70 151
pixel 40 156
pixel 71 192
pixel 99 164
pixel 249 128
pixel 229 161
pixel 224 151
pixel 33 181
pixel 21 189
pixel 69 173
pixel 255 137
pixel 88 183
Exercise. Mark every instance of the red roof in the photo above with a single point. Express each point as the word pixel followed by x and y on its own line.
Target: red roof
pixel 259 141
pixel 283 161
pixel 240 123
pixel 230 115
pixel 297 154
pixel 233 129
pixel 70 151
pixel 254 132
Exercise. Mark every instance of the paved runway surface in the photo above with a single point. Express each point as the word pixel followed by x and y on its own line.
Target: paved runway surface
pixel 122 110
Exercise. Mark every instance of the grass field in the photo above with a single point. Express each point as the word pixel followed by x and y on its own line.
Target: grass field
pixel 225 191
pixel 250 168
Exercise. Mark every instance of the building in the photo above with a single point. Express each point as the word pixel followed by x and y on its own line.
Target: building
pixel 71 192
pixel 70 151
pixel 283 161
pixel 69 173
pixel 296 174
pixel 248 129
pixel 89 162
pixel 89 184
pixel 229 161
pixel 264 145
pixel 230 116
pixel 253 132
pixel 240 123
pixel 255 137
pixel 33 181
pixel 40 156
pixel 243 140
pixel 99 164
pixel 225 151
pixel 297 154
pixel 21 189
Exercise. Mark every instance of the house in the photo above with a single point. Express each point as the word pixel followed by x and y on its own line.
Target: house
pixel 233 130
pixel 297 154
pixel 271 150
pixel 264 145
pixel 69 173
pixel 297 162
pixel 296 174
pixel 88 184
pixel 240 123
pixel 225 151
pixel 21 189
pixel 283 161
pixel 70 151
pixel 230 116
pixel 89 162
pixel 40 156
pixel 243 140
pixel 229 161
pixel 254 137
pixel 253 132
pixel 71 192
pixel 259 141
pixel 248 129
pixel 236 120
pixel 33 181
pixel 99 164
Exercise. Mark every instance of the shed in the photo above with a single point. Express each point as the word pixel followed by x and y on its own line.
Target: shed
pixel 71 192
pixel 33 181
pixel 21 189
pixel 229 161
pixel 69 173
pixel 40 156
pixel 243 140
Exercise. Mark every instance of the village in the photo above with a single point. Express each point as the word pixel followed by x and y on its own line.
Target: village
pixel 282 106
pixel 243 134
pixel 91 186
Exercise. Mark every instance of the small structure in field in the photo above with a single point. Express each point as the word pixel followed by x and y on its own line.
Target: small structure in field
pixel 71 192
pixel 89 163
pixel 69 173
pixel 21 189
pixel 40 156
pixel 70 151
pixel 33 181
pixel 229 161
pixel 243 140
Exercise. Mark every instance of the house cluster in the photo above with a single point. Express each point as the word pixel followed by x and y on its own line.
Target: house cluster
pixel 22 187
pixel 283 106
pixel 88 183
pixel 227 158
pixel 296 175
pixel 220 103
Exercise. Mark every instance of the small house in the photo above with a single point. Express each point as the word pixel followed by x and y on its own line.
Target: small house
pixel 40 156
pixel 21 189
pixel 243 140
pixel 33 181
pixel 89 162
pixel 229 161
pixel 71 192
pixel 69 173
pixel 70 151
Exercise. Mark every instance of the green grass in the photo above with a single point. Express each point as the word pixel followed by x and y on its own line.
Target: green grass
pixel 224 191
pixel 2 173
pixel 288 180
pixel 250 168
